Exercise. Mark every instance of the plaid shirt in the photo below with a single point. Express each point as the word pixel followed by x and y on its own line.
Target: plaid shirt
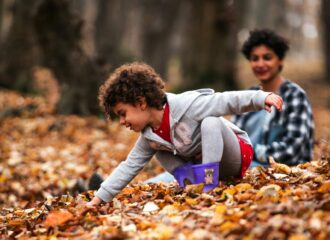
pixel 294 145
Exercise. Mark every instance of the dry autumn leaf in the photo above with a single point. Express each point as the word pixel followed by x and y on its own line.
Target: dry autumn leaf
pixel 43 156
pixel 58 217
pixel 279 167
pixel 150 207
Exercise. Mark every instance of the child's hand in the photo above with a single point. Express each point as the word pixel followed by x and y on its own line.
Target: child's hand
pixel 94 202
pixel 273 100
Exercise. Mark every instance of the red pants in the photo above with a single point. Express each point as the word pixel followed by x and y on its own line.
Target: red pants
pixel 246 154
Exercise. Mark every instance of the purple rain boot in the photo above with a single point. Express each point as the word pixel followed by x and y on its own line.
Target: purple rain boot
pixel 207 173
pixel 184 174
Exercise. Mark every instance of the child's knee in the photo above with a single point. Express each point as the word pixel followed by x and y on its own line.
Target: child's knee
pixel 210 124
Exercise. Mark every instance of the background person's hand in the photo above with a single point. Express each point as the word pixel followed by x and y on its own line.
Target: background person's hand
pixel 273 100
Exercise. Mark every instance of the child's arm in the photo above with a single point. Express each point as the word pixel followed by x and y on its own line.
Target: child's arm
pixel 124 173
pixel 233 102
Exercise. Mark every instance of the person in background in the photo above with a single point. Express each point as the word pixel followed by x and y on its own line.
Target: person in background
pixel 287 136
pixel 184 131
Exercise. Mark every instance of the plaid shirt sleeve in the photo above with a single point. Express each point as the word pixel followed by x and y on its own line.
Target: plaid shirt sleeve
pixel 295 144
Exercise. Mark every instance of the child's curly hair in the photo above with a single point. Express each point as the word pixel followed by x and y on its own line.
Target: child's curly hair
pixel 128 83
pixel 265 37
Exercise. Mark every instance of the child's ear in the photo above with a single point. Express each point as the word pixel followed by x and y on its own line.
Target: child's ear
pixel 141 101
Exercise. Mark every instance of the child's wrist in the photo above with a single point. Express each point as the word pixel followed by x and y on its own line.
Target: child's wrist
pixel 96 201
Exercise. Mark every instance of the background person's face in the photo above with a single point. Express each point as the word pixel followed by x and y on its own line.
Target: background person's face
pixel 264 63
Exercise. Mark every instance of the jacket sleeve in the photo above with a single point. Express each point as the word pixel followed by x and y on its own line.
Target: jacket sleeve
pixel 126 170
pixel 240 119
pixel 232 102
pixel 297 131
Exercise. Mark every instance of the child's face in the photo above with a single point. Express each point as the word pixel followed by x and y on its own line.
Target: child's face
pixel 265 63
pixel 135 118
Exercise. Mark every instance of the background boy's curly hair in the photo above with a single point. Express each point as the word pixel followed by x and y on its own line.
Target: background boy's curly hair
pixel 130 82
pixel 265 37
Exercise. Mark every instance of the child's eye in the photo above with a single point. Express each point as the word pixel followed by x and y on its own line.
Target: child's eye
pixel 121 114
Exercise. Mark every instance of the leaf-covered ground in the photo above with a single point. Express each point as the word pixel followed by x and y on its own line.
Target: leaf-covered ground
pixel 42 156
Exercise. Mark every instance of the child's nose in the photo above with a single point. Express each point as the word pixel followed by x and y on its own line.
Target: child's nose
pixel 122 120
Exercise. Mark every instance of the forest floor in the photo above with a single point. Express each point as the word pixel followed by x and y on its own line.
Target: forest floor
pixel 42 156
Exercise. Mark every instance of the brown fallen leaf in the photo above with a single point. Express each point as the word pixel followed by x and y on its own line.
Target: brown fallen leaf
pixel 150 207
pixel 16 222
pixel 194 189
pixel 325 187
pixel 279 167
pixel 269 191
pixel 58 217
pixel 41 158
pixel 72 231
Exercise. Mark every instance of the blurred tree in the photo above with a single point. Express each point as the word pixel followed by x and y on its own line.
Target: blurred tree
pixel 209 49
pixel 298 21
pixel 200 36
pixel 1 15
pixel 159 20
pixel 48 33
pixel 136 30
pixel 58 31
pixel 18 49
pixel 266 14
pixel 110 25
pixel 326 36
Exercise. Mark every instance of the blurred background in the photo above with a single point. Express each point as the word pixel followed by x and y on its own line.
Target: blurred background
pixel 191 43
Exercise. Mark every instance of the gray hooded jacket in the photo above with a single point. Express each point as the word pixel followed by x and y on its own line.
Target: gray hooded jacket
pixel 187 110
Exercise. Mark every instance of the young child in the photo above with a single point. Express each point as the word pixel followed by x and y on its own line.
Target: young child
pixel 185 131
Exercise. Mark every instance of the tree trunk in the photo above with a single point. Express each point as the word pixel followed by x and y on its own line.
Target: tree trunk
pixel 200 35
pixel 209 49
pixel 59 33
pixel 18 49
pixel 135 30
pixel 110 25
pixel 158 27
pixel 326 37
pixel 1 18
pixel 47 33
